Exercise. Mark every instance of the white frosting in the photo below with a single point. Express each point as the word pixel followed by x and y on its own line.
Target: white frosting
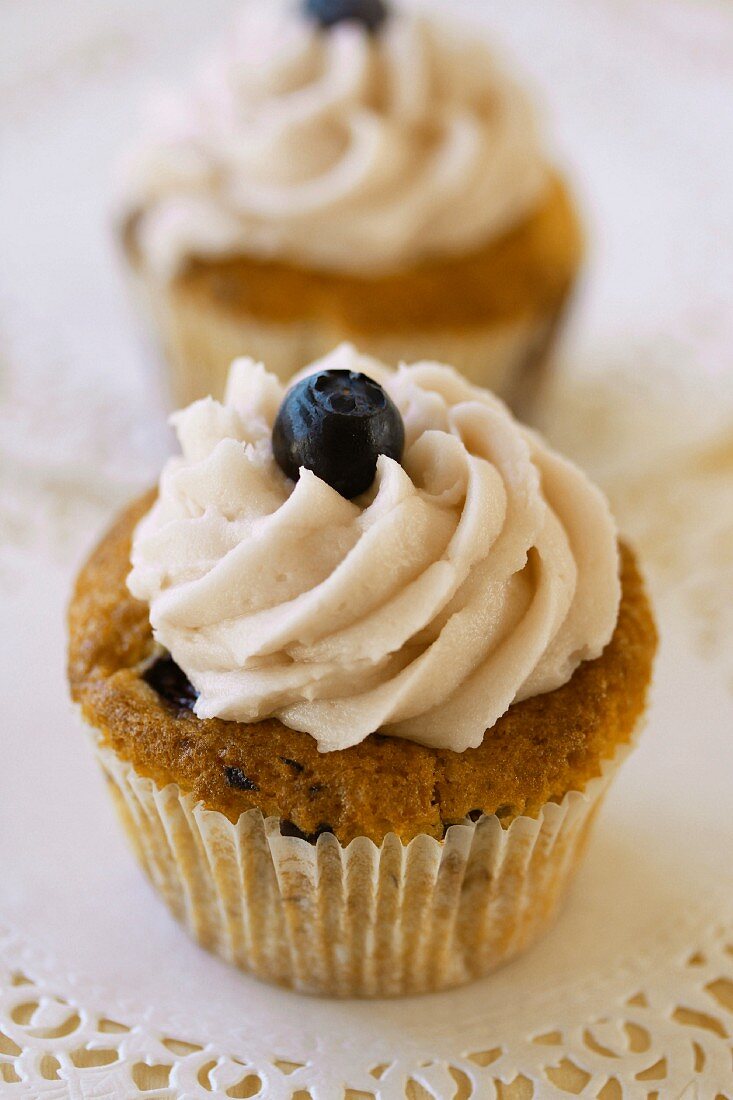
pixel 338 150
pixel 479 572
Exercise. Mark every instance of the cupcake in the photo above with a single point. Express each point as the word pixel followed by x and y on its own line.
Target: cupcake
pixel 359 672
pixel 345 171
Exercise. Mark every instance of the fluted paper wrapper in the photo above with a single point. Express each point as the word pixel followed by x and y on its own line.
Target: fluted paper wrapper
pixel 200 341
pixel 361 920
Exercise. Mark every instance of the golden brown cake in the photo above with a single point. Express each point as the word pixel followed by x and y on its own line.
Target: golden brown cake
pixel 386 187
pixel 292 831
pixel 493 313
pixel 537 752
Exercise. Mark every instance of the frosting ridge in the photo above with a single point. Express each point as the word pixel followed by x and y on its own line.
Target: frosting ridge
pixel 479 572
pixel 341 150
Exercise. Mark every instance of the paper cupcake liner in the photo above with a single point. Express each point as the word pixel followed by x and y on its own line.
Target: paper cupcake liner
pixel 200 342
pixel 357 920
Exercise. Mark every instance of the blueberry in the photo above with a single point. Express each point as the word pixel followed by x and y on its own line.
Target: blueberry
pixel 171 683
pixel 237 779
pixel 294 764
pixel 288 828
pixel 371 13
pixel 337 423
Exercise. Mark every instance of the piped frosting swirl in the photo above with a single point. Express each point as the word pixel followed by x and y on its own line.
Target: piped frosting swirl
pixel 479 572
pixel 339 150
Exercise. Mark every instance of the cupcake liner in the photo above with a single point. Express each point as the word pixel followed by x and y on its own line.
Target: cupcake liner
pixel 200 341
pixel 358 920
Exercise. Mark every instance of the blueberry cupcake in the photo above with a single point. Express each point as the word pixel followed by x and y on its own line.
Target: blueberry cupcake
pixel 350 171
pixel 359 672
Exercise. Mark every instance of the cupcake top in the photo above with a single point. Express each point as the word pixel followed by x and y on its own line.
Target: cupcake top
pixel 480 570
pixel 340 143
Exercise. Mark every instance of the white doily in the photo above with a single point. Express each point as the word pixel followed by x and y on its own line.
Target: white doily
pixel 669 1037
pixel 631 994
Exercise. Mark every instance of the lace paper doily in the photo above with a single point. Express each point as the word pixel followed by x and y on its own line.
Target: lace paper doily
pixel 667 1034
pixel 631 994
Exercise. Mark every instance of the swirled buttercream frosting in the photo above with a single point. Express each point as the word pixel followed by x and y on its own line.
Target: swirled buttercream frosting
pixel 336 149
pixel 478 572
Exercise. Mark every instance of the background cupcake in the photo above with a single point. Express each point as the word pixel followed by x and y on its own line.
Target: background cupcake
pixel 347 171
pixel 358 743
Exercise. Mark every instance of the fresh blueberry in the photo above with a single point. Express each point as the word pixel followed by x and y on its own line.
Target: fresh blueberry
pixel 337 423
pixel 370 13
